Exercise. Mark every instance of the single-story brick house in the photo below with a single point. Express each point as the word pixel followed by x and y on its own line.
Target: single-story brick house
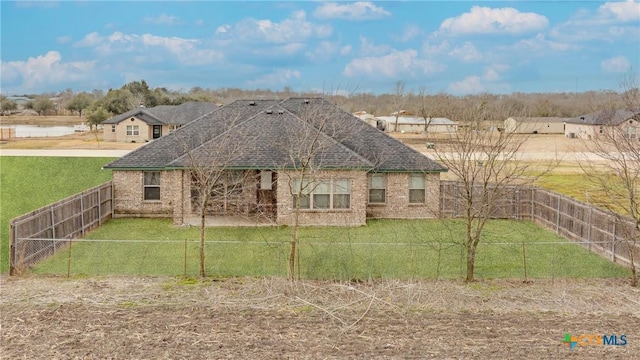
pixel 535 125
pixel 145 124
pixel 358 172
pixel 591 125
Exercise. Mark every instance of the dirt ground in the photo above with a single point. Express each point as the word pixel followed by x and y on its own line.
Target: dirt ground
pixel 242 318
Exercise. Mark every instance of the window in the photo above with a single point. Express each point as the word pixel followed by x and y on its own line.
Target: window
pixel 151 185
pixel 601 130
pixel 113 128
pixel 341 194
pixel 416 189
pixel 304 198
pixel 322 194
pixel 377 188
pixel 133 130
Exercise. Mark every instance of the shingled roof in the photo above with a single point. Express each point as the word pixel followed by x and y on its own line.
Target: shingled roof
pixel 605 117
pixel 166 114
pixel 270 134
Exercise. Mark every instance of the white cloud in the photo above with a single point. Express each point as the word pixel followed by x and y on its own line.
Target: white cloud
pixel 91 39
pixel 488 81
pixel 470 85
pixel 222 29
pixel 144 48
pixel 63 39
pixel 612 21
pixel 368 48
pixel 357 11
pixel 296 28
pixel 618 64
pixel 162 19
pixel 392 65
pixel 484 20
pixel 540 44
pixel 345 50
pixel 323 52
pixel 621 11
pixel 276 78
pixel 45 71
pixel 410 32
pixel 467 52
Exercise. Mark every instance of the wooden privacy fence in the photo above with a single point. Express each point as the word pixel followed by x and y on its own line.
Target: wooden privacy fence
pixel 7 133
pixel 38 234
pixel 598 230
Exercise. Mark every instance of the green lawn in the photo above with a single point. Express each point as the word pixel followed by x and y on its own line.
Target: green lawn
pixel 28 183
pixel 382 249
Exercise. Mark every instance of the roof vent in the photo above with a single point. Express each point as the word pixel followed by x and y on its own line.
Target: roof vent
pixel 280 112
pixel 582 118
pixel 252 103
pixel 269 111
pixel 306 101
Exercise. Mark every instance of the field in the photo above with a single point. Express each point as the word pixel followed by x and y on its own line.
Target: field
pixel 49 317
pixel 270 318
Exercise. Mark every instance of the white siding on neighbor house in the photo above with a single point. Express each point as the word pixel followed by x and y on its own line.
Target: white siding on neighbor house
pixel 534 125
pixel 144 131
pixel 588 131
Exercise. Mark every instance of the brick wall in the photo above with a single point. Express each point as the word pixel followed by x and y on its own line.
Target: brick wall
pixel 397 204
pixel 128 194
pixel 355 216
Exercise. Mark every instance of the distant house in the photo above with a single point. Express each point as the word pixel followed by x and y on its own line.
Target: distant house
pixel 360 172
pixel 591 125
pixel 535 125
pixel 145 124
pixel 416 124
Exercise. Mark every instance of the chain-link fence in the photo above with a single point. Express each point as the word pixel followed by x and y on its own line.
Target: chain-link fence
pixel 327 259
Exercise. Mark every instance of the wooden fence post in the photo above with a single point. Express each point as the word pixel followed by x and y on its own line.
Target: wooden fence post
pixel 558 215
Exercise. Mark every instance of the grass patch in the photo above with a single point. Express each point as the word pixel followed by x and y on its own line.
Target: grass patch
pixel 382 249
pixel 28 183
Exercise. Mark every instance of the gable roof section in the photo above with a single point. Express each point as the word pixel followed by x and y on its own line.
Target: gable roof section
pixel 605 117
pixel 166 114
pixel 265 134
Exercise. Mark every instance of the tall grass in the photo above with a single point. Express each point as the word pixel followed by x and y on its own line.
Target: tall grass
pixel 382 249
pixel 28 183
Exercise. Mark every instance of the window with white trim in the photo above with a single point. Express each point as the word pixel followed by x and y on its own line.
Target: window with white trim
pixel 416 189
pixel 377 188
pixel 322 194
pixel 151 185
pixel 133 130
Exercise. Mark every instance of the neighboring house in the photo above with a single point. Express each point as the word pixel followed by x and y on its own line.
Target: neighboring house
pixel 359 171
pixel 416 124
pixel 145 124
pixel 591 125
pixel 535 125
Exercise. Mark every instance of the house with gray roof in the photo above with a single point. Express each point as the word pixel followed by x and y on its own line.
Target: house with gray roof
pixel 622 122
pixel 145 124
pixel 345 170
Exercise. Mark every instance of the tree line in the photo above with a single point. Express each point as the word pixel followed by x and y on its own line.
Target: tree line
pixel 98 106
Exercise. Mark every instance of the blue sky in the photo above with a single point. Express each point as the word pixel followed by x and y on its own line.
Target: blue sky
pixel 457 47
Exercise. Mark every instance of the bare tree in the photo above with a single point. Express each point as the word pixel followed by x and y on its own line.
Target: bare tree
pixel 618 174
pixel 487 163
pixel 310 140
pixel 399 100
pixel 215 188
pixel 425 109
